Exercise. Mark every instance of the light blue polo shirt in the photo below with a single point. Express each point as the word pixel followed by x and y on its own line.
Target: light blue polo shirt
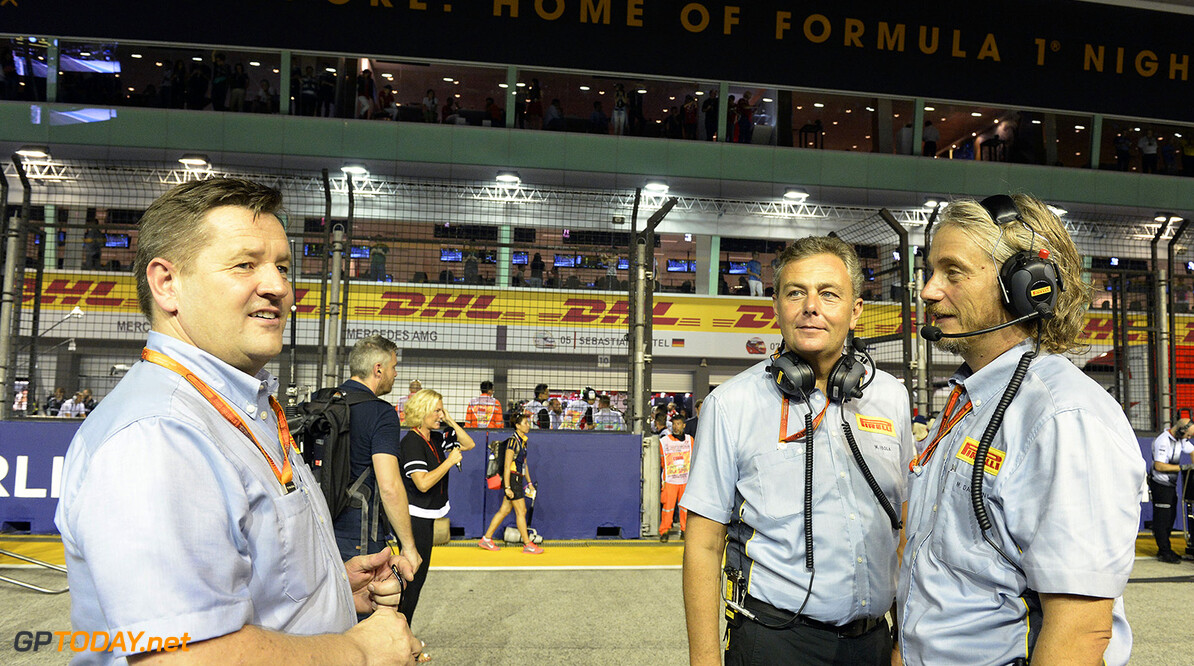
pixel 743 476
pixel 173 521
pixel 1065 506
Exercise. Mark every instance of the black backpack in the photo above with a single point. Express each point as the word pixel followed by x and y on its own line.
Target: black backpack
pixel 323 435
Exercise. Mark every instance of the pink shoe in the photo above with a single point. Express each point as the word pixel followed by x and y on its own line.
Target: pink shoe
pixel 488 544
pixel 532 549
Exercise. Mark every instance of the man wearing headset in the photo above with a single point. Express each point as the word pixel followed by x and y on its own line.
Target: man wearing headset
pixel 746 493
pixel 1043 582
pixel 1168 448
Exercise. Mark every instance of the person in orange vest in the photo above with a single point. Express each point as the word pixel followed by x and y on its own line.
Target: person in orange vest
pixel 415 387
pixel 484 411
pixel 675 452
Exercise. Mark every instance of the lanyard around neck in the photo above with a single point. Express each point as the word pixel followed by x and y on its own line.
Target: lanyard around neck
pixel 285 476
pixel 947 424
pixel 783 423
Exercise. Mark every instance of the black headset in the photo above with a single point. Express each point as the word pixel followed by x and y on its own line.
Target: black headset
pixel 1029 282
pixel 796 378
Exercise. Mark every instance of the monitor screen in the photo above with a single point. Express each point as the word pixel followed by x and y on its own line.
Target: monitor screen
pixel 565 260
pixel 520 258
pixel 679 266
pixel 488 256
pixel 737 268
pixel 358 252
pixel 116 240
pixel 623 264
pixel 449 254
pixel 312 249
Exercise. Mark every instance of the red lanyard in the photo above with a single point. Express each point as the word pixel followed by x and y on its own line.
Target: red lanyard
pixel 783 423
pixel 286 475
pixel 433 451
pixel 947 424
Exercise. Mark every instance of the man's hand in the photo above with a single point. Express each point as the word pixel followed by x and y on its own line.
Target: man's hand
pixel 372 581
pixel 384 638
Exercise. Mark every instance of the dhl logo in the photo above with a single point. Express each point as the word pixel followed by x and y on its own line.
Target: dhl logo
pixel 1040 290
pixel 876 424
pixel 994 456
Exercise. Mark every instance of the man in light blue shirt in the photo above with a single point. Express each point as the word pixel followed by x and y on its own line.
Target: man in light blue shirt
pixel 748 484
pixel 1063 479
pixel 185 511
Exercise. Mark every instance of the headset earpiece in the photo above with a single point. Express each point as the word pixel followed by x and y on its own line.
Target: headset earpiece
pixel 1029 282
pixel 793 375
pixel 845 378
pixel 796 379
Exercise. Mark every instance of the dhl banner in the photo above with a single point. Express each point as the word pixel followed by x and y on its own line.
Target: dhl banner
pixel 419 316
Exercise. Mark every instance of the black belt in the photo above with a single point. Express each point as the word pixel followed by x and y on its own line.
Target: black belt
pixel 772 615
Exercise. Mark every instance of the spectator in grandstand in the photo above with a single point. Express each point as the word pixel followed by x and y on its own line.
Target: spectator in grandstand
pixel 374 433
pixel 1044 582
pixel 740 491
pixel 754 275
pixel 516 485
pixel 377 262
pixel 54 402
pixel 184 507
pixel 451 111
pixel 555 412
pixel 415 387
pixel 88 401
pixel 578 415
pixel 73 407
pixel 598 121
pixel 430 107
pixel 93 245
pixel 493 113
pixel 238 88
pixel 484 411
pixel 425 465
pixel 263 98
pixel 536 410
pixel 607 418
pixel 1168 448
pixel 537 265
pixel 309 92
pixel 675 452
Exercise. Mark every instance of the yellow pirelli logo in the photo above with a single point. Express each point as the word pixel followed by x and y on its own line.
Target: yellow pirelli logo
pixel 994 456
pixel 1040 290
pixel 876 424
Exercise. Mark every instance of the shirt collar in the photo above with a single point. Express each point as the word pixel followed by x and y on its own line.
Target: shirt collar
pixel 354 385
pixel 993 378
pixel 247 393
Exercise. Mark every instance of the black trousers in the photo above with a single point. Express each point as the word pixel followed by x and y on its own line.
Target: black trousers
pixel 1164 509
pixel 752 644
pixel 424 533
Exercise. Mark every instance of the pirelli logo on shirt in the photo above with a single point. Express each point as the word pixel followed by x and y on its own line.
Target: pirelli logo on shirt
pixel 876 424
pixel 994 456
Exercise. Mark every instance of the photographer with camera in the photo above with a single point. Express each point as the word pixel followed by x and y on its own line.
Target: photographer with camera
pixel 1168 448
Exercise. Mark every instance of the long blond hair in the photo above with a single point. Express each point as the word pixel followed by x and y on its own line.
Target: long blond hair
pixel 1059 334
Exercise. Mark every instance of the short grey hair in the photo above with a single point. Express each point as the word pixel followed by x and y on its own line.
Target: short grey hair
pixel 813 245
pixel 368 352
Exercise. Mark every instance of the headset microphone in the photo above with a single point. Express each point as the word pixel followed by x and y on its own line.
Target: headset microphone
pixel 933 334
